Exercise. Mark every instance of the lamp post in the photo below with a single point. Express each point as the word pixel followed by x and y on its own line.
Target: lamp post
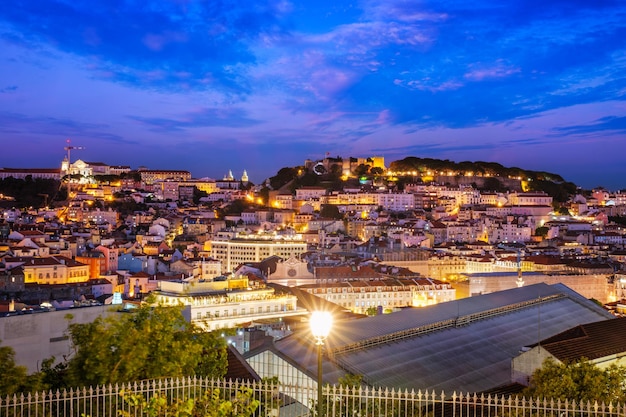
pixel 321 322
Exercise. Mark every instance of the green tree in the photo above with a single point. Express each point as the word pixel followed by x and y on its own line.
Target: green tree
pixel 198 194
pixel 563 211
pixel 362 169
pixel 13 378
pixel 150 342
pixel 210 404
pixel 330 211
pixel 579 381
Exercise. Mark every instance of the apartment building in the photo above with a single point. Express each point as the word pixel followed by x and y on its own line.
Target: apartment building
pixel 55 270
pixel 226 304
pixel 384 295
pixel 254 248
pixel 149 177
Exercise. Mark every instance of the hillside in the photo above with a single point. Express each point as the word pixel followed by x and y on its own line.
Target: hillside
pixel 487 176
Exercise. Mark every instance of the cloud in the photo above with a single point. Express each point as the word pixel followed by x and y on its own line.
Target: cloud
pixel 206 117
pixel 21 124
pixel 480 72
pixel 607 125
pixel 125 39
pixel 8 89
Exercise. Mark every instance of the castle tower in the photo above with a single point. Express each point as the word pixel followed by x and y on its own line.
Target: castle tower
pixel 244 177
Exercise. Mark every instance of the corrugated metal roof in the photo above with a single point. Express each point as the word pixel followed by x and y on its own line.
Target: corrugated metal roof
pixel 473 357
pixel 349 332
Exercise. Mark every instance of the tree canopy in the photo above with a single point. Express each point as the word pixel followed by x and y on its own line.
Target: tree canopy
pixel 148 343
pixel 13 376
pixel 581 381
pixel 151 342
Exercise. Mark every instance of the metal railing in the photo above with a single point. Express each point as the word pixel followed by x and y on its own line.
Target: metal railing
pixel 280 400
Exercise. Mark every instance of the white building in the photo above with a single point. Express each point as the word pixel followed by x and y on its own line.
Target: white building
pixel 226 304
pixel 385 294
pixel 254 248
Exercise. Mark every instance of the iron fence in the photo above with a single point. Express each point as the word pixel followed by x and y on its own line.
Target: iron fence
pixel 149 398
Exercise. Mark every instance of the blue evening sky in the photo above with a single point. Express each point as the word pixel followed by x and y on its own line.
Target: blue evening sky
pixel 215 85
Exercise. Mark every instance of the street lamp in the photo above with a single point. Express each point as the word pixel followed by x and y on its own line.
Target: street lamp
pixel 321 322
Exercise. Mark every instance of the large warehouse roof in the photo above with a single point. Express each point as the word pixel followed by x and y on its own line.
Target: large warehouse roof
pixel 464 345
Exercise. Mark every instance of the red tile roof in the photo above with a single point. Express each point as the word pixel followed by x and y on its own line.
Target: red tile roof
pixel 591 341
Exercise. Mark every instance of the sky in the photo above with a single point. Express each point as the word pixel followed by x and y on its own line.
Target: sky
pixel 212 86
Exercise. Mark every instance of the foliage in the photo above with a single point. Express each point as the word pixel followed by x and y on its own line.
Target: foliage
pixel 330 211
pixel 31 192
pixel 150 342
pixel 423 165
pixel 562 211
pixel 579 381
pixel 618 219
pixel 134 175
pixel 210 404
pixel 269 399
pixel 282 177
pixel 362 169
pixel 541 231
pixel 372 311
pixel 346 403
pixel 560 192
pixel 13 376
pixel 493 184
pixel 198 194
pixel 127 206
pixel 106 179
pixel 236 207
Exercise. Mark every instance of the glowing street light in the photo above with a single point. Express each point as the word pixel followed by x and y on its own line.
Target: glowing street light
pixel 321 323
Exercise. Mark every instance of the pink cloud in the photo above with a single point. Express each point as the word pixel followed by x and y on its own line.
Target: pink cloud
pixel 500 70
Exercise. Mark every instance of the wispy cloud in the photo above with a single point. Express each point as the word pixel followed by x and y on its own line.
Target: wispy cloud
pixel 207 117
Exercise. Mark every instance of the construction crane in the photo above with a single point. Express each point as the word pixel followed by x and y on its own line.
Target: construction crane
pixel 68 148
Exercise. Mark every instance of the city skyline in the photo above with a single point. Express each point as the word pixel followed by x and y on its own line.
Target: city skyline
pixel 219 86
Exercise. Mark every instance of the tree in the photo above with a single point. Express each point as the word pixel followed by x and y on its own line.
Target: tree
pixel 198 194
pixel 578 381
pixel 361 169
pixel 13 376
pixel 210 404
pixel 330 211
pixel 150 342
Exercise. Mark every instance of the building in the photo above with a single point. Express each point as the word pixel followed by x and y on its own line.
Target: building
pixel 462 346
pixel 227 304
pixel 383 295
pixel 149 177
pixel 603 343
pixel 592 286
pixel 55 270
pixel 254 248
pixel 22 173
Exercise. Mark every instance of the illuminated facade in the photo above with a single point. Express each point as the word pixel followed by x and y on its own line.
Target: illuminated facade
pixel 234 252
pixel 386 294
pixel 55 270
pixel 149 177
pixel 226 304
